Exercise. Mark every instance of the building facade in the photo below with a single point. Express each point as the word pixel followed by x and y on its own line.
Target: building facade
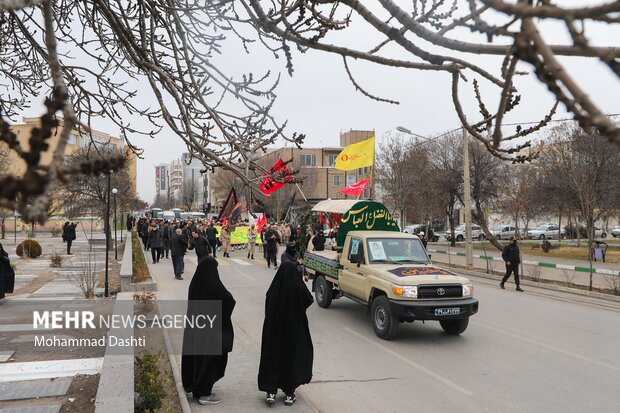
pixel 76 141
pixel 162 181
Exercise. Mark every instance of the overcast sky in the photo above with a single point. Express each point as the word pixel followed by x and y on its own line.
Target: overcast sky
pixel 320 101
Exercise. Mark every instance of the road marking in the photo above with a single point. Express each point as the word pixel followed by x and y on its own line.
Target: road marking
pixel 548 346
pixel 240 261
pixel 413 364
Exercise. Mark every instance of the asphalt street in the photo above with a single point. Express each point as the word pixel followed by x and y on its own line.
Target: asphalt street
pixel 538 351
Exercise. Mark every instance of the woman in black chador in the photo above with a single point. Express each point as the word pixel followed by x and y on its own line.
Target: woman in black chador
pixel 286 351
pixel 200 372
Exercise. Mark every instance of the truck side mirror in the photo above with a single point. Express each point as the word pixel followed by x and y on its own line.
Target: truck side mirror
pixel 360 256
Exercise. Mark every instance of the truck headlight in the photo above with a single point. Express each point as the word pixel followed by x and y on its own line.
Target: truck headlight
pixel 468 290
pixel 405 291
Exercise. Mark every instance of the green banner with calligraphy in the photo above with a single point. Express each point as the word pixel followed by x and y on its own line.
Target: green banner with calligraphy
pixel 365 216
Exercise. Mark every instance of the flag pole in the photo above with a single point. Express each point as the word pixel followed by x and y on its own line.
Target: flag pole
pixel 301 192
pixel 372 169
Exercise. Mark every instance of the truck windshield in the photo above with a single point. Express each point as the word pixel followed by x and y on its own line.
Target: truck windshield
pixel 402 250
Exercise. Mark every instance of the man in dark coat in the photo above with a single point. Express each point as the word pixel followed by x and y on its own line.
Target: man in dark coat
pixel 273 240
pixel 178 246
pixel 512 257
pixel 68 235
pixel 156 242
pixel 199 371
pixel 200 244
pixel 318 241
pixel 129 222
pixel 211 232
pixel 286 350
pixel 7 275
pixel 167 234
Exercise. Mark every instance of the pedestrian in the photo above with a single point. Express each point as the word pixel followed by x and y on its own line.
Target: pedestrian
pixel 291 254
pixel 156 242
pixel 225 237
pixel 286 349
pixel 7 274
pixel 423 238
pixel 512 256
pixel 68 235
pixel 129 222
pixel 251 241
pixel 263 245
pixel 178 246
pixel 211 232
pixel 200 244
pixel 318 241
pixel 144 234
pixel 167 234
pixel 273 240
pixel 286 233
pixel 199 371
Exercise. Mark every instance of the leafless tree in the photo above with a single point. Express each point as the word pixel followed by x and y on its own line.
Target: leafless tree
pixel 433 35
pixel 395 172
pixel 486 172
pixel 586 164
pixel 92 58
pixel 188 194
pixel 86 193
pixel 447 158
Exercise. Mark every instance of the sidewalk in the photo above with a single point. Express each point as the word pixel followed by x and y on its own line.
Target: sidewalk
pixel 238 389
pixel 563 270
pixel 36 379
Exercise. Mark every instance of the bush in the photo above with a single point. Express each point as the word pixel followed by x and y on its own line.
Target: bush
pixel 148 383
pixel 56 260
pixel 30 248
pixel 55 229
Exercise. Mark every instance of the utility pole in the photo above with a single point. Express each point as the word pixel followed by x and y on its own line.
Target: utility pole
pixel 469 259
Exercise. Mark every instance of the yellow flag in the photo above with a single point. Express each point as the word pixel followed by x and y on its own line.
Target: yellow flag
pixel 357 155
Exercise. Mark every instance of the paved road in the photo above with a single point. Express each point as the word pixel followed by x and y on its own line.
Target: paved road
pixel 537 351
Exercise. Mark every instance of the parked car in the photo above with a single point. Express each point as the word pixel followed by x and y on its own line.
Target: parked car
pixel 615 231
pixel 459 233
pixel 545 231
pixel 412 229
pixel 504 231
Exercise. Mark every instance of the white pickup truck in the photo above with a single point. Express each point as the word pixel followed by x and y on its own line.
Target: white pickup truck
pixel 391 274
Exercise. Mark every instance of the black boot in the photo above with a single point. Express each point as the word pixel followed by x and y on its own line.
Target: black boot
pixel 519 288
pixel 501 285
pixel 248 255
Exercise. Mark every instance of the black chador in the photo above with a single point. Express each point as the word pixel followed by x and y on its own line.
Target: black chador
pixel 286 351
pixel 200 372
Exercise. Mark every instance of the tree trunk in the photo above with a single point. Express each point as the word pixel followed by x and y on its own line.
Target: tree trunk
pixel 2 226
pixel 451 222
pixel 590 231
pixel 482 221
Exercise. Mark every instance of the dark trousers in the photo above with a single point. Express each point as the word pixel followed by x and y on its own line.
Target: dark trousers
pixel 144 241
pixel 271 258
pixel 156 253
pixel 514 269
pixel 69 242
pixel 166 247
pixel 178 264
pixel 213 244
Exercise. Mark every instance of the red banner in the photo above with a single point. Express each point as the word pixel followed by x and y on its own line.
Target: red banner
pixel 355 189
pixel 268 185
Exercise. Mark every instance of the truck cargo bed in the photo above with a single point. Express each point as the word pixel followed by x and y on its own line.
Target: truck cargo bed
pixel 324 262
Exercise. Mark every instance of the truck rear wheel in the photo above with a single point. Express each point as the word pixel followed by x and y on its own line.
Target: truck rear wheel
pixel 323 292
pixel 454 327
pixel 384 322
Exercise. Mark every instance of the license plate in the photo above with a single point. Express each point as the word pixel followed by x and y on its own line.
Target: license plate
pixel 447 311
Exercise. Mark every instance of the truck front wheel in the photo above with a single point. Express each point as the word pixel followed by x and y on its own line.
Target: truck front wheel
pixel 454 327
pixel 384 322
pixel 323 292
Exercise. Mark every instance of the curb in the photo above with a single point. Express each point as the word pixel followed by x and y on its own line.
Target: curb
pixel 535 263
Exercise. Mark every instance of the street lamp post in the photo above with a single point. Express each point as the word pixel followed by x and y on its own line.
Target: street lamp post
pixel 106 291
pixel 115 191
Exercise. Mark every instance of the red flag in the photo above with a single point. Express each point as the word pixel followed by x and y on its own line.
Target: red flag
pixel 355 189
pixel 224 222
pixel 268 185
pixel 260 223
